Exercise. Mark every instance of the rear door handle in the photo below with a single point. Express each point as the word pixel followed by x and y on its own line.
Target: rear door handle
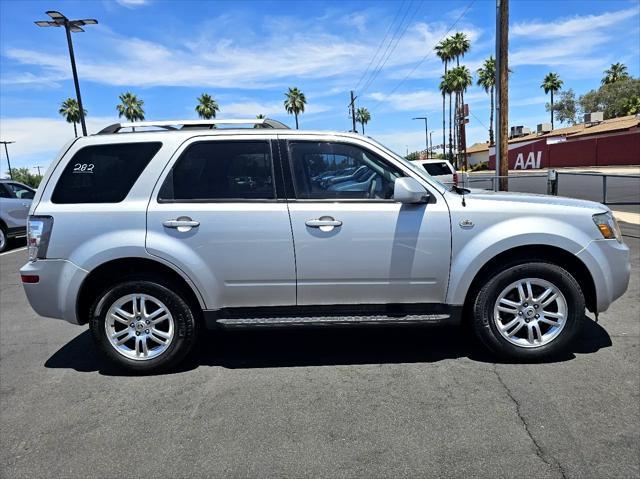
pixel 325 223
pixel 182 224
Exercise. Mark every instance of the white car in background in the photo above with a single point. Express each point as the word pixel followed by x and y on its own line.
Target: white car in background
pixel 441 170
pixel 15 201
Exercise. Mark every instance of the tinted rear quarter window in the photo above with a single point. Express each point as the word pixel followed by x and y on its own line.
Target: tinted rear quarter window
pixel 103 173
pixel 437 169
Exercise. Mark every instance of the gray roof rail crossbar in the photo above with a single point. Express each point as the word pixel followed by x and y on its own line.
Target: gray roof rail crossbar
pixel 189 124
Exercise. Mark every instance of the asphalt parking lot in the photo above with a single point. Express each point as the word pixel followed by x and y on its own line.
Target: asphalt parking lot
pixel 401 402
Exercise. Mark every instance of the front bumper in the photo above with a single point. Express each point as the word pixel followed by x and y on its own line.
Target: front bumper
pixel 608 262
pixel 55 294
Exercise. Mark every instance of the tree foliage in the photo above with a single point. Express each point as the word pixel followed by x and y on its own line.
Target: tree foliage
pixel 294 102
pixel 614 99
pixel 617 72
pixel 207 107
pixel 363 117
pixel 70 110
pixel 566 110
pixel 23 175
pixel 130 107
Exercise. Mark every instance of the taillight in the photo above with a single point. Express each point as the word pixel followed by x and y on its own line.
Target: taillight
pixel 455 178
pixel 38 234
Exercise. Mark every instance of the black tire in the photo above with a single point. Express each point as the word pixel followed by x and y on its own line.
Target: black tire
pixel 4 241
pixel 483 310
pixel 185 324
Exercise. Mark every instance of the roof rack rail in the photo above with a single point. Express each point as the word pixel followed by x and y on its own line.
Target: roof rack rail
pixel 178 125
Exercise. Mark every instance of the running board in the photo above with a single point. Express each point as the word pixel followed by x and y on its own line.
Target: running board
pixel 333 320
pixel 332 315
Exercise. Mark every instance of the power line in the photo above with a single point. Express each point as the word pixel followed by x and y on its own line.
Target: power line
pixel 479 120
pixel 375 74
pixel 430 52
pixel 384 39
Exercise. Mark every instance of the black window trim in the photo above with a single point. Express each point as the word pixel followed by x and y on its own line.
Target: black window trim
pixel 290 174
pixel 275 199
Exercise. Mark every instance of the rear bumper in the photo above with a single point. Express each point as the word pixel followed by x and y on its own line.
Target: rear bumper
pixel 55 294
pixel 608 262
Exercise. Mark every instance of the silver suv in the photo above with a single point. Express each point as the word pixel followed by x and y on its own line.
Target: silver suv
pixel 150 235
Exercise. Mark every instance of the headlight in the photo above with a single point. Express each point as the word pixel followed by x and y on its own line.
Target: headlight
pixel 38 234
pixel 608 226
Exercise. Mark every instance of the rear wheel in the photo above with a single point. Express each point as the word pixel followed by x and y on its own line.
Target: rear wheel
pixel 528 312
pixel 143 326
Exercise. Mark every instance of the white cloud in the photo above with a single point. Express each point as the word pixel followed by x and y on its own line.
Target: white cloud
pixel 421 100
pixel 249 109
pixel 133 3
pixel 38 139
pixel 576 45
pixel 215 60
pixel 572 27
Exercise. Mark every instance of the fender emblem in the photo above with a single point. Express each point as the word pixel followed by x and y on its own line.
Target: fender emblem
pixel 466 224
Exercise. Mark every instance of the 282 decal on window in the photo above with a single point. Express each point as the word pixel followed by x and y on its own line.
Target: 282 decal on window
pixel 83 168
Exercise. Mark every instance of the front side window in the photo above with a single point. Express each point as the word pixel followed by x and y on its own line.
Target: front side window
pixel 21 192
pixel 221 170
pixel 103 173
pixel 327 170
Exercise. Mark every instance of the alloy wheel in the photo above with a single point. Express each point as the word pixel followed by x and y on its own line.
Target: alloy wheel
pixel 139 326
pixel 530 312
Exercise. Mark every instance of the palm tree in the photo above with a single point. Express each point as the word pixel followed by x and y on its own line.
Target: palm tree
pixel 460 45
pixel 460 80
pixel 71 112
pixel 130 107
pixel 487 80
pixel 443 50
pixel 447 89
pixel 552 84
pixel 363 117
pixel 207 107
pixel 617 72
pixel 260 116
pixel 294 102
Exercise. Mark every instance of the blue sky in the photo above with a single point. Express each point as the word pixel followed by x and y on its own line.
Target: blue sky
pixel 246 54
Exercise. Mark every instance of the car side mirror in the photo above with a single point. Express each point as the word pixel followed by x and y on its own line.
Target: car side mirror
pixel 409 190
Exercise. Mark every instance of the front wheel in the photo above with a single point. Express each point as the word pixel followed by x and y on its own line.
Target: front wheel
pixel 143 326
pixel 531 311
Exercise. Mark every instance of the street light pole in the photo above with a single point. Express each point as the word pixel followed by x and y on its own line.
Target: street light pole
pixel 430 144
pixel 6 150
pixel 426 129
pixel 59 20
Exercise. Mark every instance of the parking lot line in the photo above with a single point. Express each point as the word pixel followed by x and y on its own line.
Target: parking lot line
pixel 13 251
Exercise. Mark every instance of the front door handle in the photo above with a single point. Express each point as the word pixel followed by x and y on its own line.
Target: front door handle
pixel 325 223
pixel 182 224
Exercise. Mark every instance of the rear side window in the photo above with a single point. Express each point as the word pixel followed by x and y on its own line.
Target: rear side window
pixel 103 173
pixel 437 169
pixel 221 170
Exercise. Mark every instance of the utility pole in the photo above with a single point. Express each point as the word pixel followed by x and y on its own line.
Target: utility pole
pixel 502 95
pixel 59 20
pixel 462 136
pixel 426 131
pixel 38 168
pixel 6 150
pixel 352 107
